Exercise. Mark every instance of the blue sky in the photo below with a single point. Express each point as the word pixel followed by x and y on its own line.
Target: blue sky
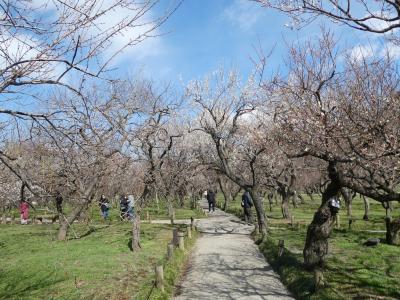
pixel 205 34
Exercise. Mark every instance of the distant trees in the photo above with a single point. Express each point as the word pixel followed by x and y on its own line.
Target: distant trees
pixel 75 140
pixel 226 117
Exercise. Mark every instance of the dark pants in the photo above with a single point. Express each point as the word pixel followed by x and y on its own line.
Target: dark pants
pixel 211 205
pixel 104 212
pixel 247 214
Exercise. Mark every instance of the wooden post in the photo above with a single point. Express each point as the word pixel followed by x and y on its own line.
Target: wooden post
pixel 189 232
pixel 191 223
pixel 147 216
pixel 175 237
pixel 291 221
pixel 281 247
pixel 170 251
pixel 173 217
pixel 160 277
pixel 181 240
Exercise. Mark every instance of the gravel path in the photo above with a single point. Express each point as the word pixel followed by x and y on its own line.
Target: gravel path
pixel 226 264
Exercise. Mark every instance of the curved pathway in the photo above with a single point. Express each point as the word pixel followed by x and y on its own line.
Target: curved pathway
pixel 226 264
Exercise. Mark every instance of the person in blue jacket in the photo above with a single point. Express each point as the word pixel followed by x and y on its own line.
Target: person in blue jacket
pixel 247 204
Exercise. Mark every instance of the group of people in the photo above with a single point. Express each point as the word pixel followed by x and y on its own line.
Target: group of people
pixel 126 203
pixel 247 203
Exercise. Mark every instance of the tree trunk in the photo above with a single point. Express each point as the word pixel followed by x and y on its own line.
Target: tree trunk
pixel 318 232
pixel 392 231
pixel 283 191
pixel 4 216
pixel 366 208
pixel 227 194
pixel 158 203
pixel 62 230
pixel 301 198
pixel 261 219
pixel 170 208
pixel 311 195
pixel 294 199
pixel 227 200
pixel 270 197
pixel 285 206
pixel 348 201
pixel 181 201
pixel 388 209
pixel 136 233
pixel 65 221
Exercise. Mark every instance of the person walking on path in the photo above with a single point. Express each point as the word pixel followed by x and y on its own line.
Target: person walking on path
pixel 104 206
pixel 211 200
pixel 247 203
pixel 24 210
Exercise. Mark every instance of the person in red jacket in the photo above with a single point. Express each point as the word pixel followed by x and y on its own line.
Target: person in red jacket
pixel 24 210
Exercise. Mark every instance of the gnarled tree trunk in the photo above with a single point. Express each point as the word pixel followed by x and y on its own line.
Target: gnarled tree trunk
pixel 285 206
pixel 227 194
pixel 318 232
pixel 62 230
pixel 348 201
pixel 295 199
pixel 261 219
pixel 300 197
pixel 65 222
pixel 366 208
pixel 388 209
pixel 283 191
pixel 270 197
pixel 392 231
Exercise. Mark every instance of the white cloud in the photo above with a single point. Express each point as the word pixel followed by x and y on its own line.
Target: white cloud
pixel 137 52
pixel 376 49
pixel 361 52
pixel 112 20
pixel 392 50
pixel 243 13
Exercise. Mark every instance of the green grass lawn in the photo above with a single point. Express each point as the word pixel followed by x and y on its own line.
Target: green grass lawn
pixel 353 270
pixel 99 265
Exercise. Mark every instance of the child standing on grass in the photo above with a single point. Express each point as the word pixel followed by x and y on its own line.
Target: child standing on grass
pixel 24 210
